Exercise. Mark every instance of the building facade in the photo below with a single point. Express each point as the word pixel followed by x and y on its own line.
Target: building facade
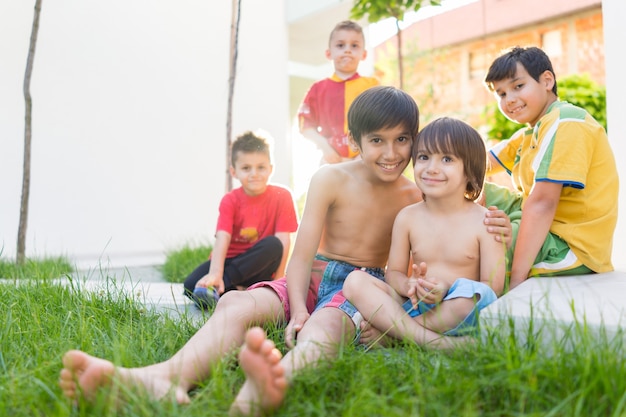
pixel 447 56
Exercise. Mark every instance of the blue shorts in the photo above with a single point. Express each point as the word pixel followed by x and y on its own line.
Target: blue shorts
pixel 462 287
pixel 325 287
pixel 330 292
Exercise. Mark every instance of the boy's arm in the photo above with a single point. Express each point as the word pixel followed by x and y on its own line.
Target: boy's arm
pixel 492 263
pixel 330 155
pixel 537 217
pixel 215 277
pixel 493 166
pixel 399 256
pixel 285 239
pixel 320 196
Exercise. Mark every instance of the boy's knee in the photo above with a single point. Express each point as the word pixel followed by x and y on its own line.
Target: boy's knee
pixel 230 298
pixel 351 284
pixel 272 245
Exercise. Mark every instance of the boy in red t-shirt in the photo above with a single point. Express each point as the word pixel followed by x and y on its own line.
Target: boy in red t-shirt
pixel 253 228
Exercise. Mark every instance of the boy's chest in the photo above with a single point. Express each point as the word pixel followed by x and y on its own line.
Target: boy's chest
pixel 450 242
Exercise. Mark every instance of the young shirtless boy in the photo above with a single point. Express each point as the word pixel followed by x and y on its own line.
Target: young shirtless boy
pixel 346 225
pixel 443 233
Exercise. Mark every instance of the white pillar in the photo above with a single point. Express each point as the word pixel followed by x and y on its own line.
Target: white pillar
pixel 614 15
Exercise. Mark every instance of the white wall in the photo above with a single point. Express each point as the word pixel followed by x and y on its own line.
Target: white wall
pixel 129 110
pixel 614 16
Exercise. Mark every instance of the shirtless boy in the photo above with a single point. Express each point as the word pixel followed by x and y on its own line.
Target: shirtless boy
pixel 443 233
pixel 346 225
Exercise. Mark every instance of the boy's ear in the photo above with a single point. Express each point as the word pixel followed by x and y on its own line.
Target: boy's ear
pixel 364 55
pixel 547 78
pixel 327 53
pixel 355 146
pixel 232 171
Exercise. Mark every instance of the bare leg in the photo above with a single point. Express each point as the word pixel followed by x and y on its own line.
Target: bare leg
pixel 83 375
pixel 320 337
pixel 381 306
pixel 260 360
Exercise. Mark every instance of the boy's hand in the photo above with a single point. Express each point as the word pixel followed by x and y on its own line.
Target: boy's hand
pixel 430 290
pixel 293 327
pixel 419 272
pixel 212 280
pixel 499 224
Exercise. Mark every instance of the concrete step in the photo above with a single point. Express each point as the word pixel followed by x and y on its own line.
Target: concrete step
pixel 560 309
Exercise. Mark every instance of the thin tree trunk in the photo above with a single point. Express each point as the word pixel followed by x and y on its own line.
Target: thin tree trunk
pixel 21 233
pixel 400 59
pixel 234 41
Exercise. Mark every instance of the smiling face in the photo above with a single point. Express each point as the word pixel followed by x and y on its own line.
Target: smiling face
pixel 253 170
pixel 346 50
pixel 523 99
pixel 387 152
pixel 439 175
pixel 449 158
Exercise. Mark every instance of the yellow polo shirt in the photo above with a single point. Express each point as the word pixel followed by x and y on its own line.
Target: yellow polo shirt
pixel 568 146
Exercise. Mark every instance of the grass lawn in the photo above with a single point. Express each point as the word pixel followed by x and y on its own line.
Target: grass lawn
pixel 181 262
pixel 51 267
pixel 496 377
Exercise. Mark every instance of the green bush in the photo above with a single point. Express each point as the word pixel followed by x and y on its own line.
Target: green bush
pixel 579 90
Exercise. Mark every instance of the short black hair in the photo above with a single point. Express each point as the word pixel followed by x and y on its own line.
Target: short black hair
pixel 249 142
pixel 533 59
pixel 382 107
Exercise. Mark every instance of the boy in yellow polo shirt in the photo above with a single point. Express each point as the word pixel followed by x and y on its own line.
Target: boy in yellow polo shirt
pixel 563 167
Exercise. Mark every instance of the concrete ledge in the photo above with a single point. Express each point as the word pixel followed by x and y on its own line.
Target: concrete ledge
pixel 560 309
pixel 144 284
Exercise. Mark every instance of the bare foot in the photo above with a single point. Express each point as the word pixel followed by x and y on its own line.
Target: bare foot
pixel 266 384
pixel 84 375
pixel 372 337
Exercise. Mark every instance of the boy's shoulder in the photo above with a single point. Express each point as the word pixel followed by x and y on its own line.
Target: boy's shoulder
pixel 342 177
pixel 563 111
pixel 334 173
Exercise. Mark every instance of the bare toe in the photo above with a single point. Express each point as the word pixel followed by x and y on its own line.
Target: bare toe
pixel 266 384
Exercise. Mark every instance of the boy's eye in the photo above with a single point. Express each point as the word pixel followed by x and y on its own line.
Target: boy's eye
pixel 403 139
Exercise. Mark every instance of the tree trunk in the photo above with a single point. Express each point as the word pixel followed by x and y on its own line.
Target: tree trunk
pixel 234 41
pixel 21 233
pixel 400 59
